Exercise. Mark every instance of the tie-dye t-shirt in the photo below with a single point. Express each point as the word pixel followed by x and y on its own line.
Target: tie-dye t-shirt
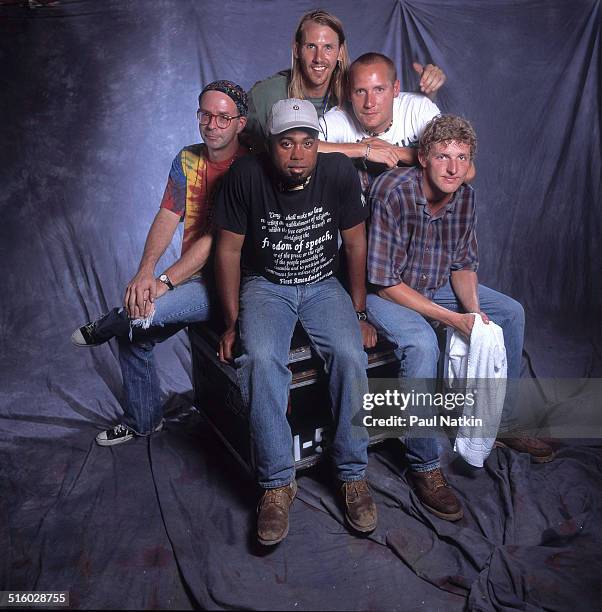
pixel 190 187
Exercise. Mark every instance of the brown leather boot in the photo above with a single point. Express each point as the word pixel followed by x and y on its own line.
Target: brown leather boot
pixel 436 495
pixel 360 509
pixel 539 451
pixel 272 514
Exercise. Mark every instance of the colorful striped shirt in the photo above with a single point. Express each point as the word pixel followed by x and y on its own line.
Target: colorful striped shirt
pixel 408 244
pixel 193 180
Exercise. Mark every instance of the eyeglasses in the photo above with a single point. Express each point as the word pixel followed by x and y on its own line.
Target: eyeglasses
pixel 222 121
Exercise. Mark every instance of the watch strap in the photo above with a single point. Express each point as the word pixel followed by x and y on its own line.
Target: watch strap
pixel 165 280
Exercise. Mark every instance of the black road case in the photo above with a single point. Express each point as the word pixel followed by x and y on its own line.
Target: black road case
pixel 218 397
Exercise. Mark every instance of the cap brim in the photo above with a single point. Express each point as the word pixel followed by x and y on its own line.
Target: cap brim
pixel 294 125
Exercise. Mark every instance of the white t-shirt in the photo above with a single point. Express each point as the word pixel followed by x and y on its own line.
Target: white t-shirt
pixel 411 112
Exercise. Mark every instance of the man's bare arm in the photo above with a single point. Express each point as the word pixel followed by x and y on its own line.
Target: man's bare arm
pixel 354 241
pixel 404 295
pixel 227 271
pixel 141 290
pixel 191 261
pixel 350 149
pixel 372 149
pixel 466 287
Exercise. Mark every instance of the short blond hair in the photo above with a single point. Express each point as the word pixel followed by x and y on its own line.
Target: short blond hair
pixel 447 128
pixel 368 59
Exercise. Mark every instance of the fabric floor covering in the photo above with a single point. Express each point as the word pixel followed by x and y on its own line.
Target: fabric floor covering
pixel 168 522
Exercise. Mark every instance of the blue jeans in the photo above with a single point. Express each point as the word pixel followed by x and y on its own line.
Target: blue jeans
pixel 418 351
pixel 267 319
pixel 174 310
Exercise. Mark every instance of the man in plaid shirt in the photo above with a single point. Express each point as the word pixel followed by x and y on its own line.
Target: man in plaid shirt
pixel 422 258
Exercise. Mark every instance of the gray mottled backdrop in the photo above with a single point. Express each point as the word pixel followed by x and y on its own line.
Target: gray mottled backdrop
pixel 96 97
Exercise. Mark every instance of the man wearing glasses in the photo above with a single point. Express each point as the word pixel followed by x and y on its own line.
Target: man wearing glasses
pixel 157 306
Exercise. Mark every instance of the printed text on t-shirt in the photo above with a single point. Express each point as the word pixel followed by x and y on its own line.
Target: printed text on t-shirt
pixel 298 242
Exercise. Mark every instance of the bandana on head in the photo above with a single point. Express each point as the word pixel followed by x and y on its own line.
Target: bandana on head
pixel 235 92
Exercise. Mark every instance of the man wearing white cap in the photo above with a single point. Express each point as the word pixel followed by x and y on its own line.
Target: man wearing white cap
pixel 279 214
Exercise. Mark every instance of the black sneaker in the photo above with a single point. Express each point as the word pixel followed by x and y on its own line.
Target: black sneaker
pixel 120 433
pixel 102 329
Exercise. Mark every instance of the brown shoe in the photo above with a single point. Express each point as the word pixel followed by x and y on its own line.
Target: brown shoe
pixel 272 514
pixel 540 451
pixel 436 495
pixel 360 509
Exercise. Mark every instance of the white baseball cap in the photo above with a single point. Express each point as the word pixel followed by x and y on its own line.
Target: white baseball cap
pixel 292 113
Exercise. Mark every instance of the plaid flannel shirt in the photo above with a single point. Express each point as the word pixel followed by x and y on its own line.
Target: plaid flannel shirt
pixel 408 244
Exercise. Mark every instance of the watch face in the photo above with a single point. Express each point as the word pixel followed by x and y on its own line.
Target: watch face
pixel 165 280
pixel 361 316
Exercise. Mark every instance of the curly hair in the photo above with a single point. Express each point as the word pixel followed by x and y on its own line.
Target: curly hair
pixel 338 79
pixel 446 128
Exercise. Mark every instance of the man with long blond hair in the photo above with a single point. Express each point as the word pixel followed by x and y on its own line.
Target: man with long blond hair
pixel 320 64
pixel 318 74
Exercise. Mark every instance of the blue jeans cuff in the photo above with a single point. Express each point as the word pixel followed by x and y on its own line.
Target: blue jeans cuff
pixel 352 478
pixel 426 467
pixel 145 433
pixel 276 484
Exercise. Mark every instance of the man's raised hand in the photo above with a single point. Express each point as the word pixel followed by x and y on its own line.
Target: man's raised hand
pixel 432 78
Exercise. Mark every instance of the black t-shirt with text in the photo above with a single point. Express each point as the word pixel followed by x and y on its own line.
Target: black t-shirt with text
pixel 291 237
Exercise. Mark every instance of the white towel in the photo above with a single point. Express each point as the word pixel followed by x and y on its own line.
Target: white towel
pixel 479 366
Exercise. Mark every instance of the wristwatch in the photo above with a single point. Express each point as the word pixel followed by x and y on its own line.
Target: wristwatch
pixel 165 280
pixel 361 315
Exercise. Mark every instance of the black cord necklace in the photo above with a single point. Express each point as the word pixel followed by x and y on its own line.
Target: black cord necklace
pixel 377 134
